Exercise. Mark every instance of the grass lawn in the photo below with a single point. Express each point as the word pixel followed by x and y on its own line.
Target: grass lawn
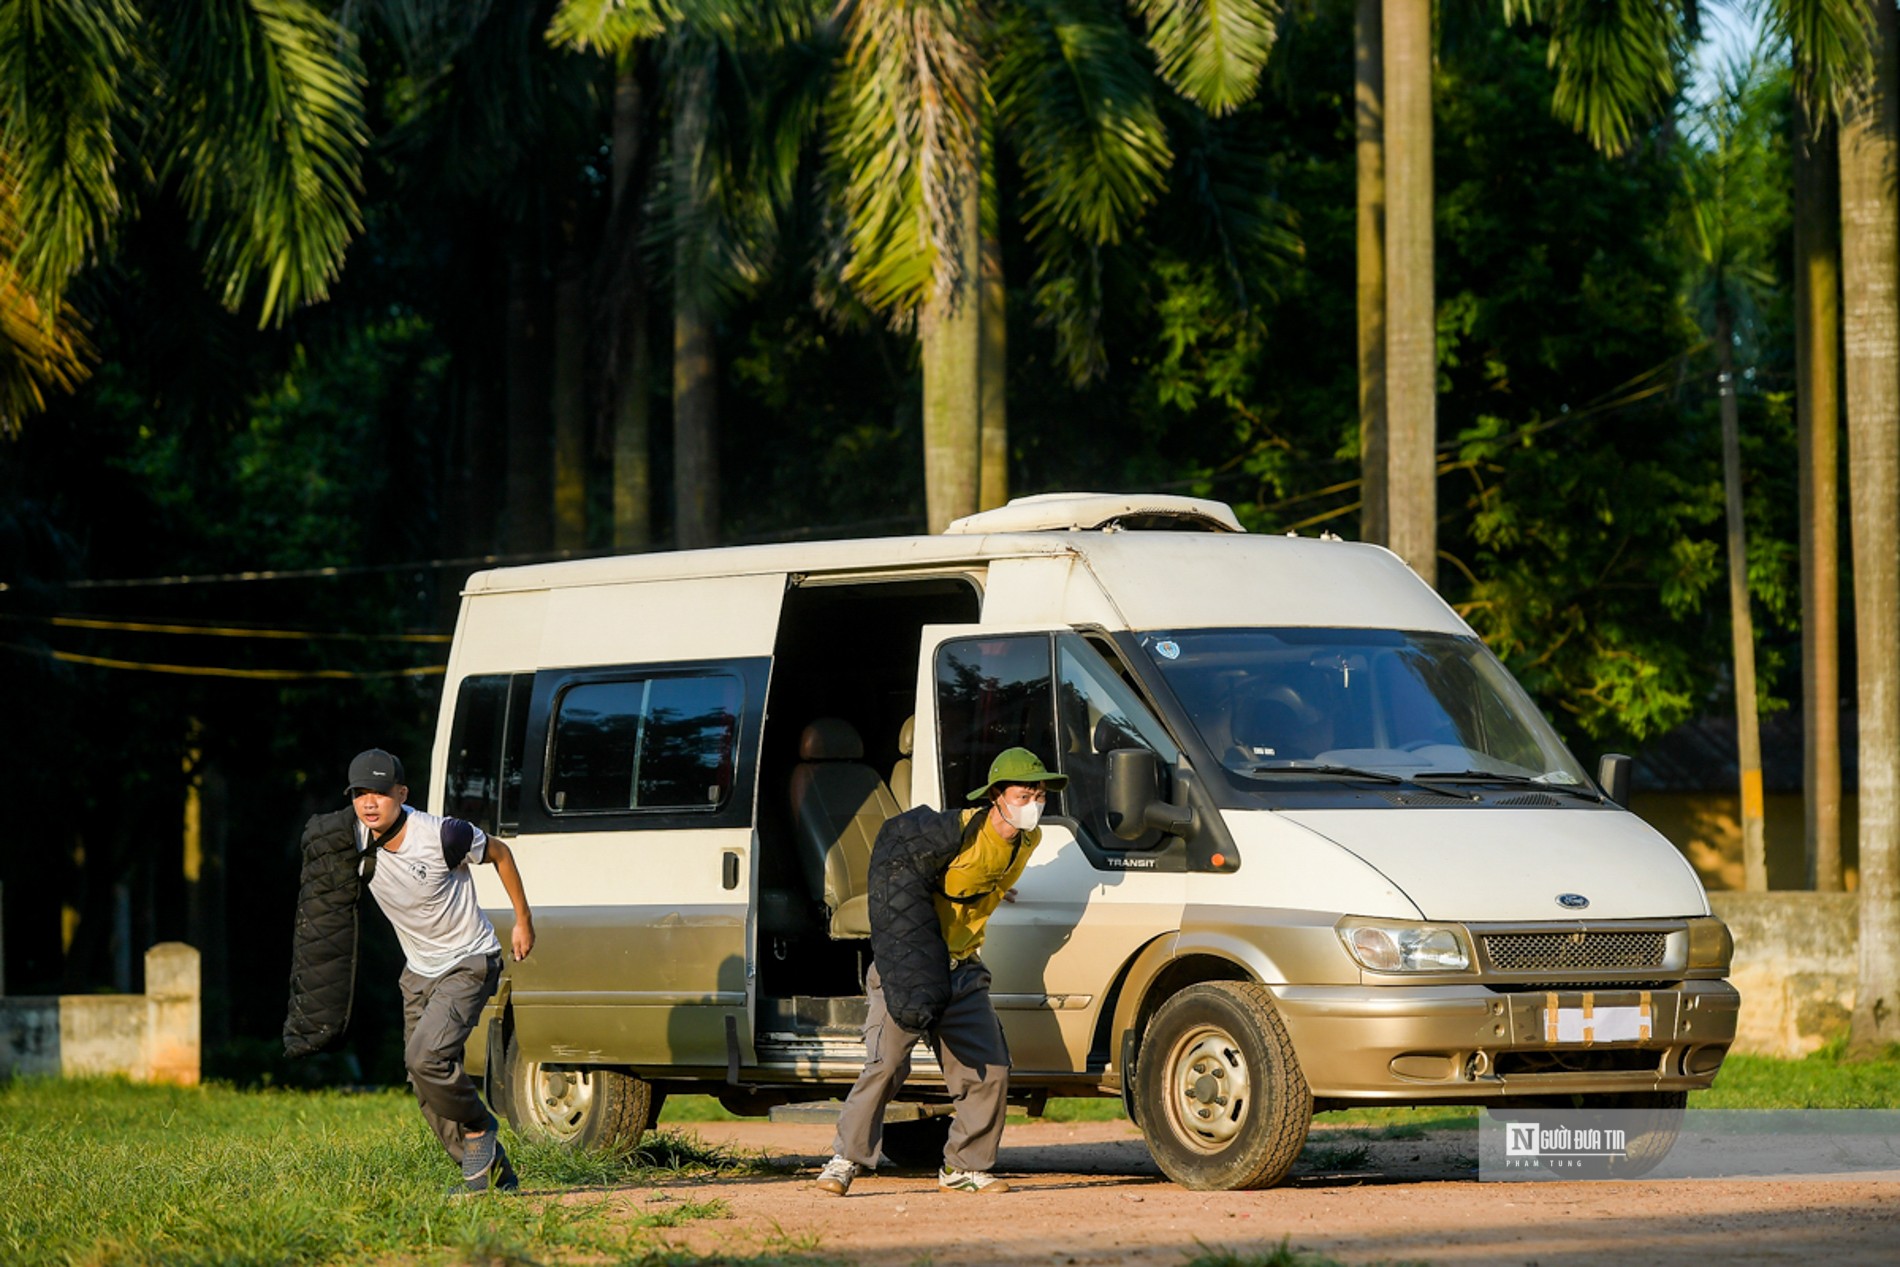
pixel 109 1172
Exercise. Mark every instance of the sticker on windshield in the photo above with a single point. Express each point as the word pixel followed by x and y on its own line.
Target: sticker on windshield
pixel 1167 650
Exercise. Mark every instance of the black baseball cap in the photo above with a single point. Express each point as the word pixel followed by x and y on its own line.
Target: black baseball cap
pixel 376 770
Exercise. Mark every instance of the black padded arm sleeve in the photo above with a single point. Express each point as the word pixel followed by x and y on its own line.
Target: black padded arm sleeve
pixel 323 946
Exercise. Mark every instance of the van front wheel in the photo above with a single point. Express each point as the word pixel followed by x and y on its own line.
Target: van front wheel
pixel 1223 1104
pixel 586 1109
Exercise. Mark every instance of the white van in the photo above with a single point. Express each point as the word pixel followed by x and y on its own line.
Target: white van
pixel 1317 850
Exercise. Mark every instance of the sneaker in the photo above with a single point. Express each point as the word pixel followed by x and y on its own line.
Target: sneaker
pixel 484 1164
pixel 837 1175
pixel 970 1181
pixel 504 1177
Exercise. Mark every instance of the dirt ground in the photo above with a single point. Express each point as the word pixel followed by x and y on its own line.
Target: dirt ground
pixel 1088 1193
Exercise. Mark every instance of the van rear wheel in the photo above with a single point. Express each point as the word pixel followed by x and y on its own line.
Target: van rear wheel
pixel 1223 1103
pixel 584 1108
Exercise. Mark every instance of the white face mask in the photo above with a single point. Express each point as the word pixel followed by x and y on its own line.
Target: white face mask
pixel 1023 817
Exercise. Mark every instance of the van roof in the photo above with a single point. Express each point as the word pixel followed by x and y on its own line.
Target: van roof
pixel 1155 579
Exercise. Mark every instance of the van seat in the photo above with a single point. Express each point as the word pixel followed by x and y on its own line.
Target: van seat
pixel 900 772
pixel 838 805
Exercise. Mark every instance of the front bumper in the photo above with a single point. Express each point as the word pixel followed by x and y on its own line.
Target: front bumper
pixel 1470 1044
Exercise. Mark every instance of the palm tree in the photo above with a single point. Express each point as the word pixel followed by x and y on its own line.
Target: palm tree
pixel 1065 87
pixel 1733 216
pixel 1369 184
pixel 1870 256
pixel 1411 330
pixel 1817 314
pixel 1830 44
pixel 723 182
pixel 1615 65
pixel 251 115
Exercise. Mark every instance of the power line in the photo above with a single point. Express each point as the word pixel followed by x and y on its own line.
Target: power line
pixel 218 671
pixel 227 631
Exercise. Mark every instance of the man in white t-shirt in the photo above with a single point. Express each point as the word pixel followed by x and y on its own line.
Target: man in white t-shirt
pixel 452 957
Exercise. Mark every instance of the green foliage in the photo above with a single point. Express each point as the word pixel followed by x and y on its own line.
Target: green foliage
pixel 1074 96
pixel 253 111
pixel 902 145
pixel 1210 51
pixel 1824 1080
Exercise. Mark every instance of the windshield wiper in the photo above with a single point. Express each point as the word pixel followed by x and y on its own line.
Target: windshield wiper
pixel 1337 771
pixel 1514 780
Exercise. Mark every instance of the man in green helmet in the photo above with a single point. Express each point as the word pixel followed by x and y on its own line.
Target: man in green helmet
pixel 935 880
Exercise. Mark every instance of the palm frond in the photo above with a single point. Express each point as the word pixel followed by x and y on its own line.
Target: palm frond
pixel 1066 290
pixel 1073 96
pixel 608 26
pixel 1615 62
pixel 1832 46
pixel 1223 185
pixel 267 103
pixel 1211 51
pixel 425 33
pixel 903 123
pixel 756 23
pixel 62 76
pixel 1734 212
pixel 43 345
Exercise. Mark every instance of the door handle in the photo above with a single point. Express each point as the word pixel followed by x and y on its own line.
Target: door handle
pixel 731 870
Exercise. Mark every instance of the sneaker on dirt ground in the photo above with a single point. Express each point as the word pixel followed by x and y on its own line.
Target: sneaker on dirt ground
pixel 970 1181
pixel 837 1175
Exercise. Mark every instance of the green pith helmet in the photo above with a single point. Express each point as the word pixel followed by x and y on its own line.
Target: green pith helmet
pixel 1020 765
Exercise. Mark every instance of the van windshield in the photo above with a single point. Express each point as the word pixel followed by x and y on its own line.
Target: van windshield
pixel 1345 703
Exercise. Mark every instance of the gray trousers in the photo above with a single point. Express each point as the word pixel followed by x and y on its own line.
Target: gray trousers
pixel 971 1050
pixel 438 1015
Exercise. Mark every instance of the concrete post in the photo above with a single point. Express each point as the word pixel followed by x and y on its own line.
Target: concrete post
pixel 174 1014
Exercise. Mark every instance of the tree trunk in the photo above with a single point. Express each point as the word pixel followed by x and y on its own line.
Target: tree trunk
pixel 630 407
pixel 993 477
pixel 695 399
pixel 1411 353
pixel 526 500
pixel 1369 151
pixel 951 331
pixel 568 403
pixel 1817 285
pixel 1870 254
pixel 1741 622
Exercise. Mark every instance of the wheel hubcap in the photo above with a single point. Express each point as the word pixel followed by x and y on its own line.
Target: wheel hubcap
pixel 562 1100
pixel 1210 1089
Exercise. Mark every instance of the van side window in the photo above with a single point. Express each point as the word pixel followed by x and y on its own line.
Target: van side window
pixel 485 745
pixel 1098 712
pixel 644 743
pixel 992 694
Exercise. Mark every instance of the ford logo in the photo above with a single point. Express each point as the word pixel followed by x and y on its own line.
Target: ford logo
pixel 1572 901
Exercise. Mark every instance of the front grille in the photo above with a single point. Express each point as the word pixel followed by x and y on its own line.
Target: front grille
pixel 1574 952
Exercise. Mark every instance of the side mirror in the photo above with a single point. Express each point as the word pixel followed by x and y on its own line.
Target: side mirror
pixel 1613 776
pixel 1133 797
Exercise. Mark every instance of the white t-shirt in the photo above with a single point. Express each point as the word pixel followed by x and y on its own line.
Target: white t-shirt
pixel 428 893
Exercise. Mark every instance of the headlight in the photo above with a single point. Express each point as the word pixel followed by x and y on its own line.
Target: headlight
pixel 1382 946
pixel 1710 944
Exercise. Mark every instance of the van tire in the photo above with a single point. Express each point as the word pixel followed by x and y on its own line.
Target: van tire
pixel 1653 1123
pixel 586 1109
pixel 1224 1104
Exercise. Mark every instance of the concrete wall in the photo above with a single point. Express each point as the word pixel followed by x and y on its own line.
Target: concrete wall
pixel 1796 964
pixel 150 1037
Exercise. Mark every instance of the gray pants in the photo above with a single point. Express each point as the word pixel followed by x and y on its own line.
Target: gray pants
pixel 971 1050
pixel 438 1014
